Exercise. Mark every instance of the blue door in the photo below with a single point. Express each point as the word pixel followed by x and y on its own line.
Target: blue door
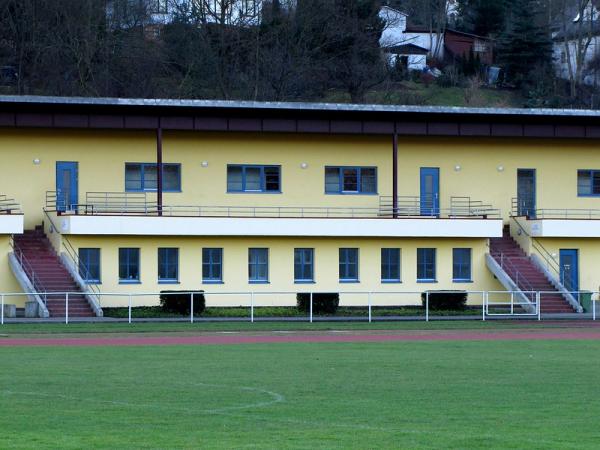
pixel 66 186
pixel 526 203
pixel 430 191
pixel 569 269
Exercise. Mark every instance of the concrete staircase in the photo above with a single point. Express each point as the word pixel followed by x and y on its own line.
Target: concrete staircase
pixel 52 275
pixel 526 275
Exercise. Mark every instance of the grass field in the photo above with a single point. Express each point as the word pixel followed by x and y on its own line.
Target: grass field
pixel 499 394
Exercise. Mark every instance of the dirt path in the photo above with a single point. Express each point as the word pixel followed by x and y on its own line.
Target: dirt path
pixel 314 337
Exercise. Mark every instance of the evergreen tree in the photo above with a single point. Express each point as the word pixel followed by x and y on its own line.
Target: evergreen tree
pixel 483 17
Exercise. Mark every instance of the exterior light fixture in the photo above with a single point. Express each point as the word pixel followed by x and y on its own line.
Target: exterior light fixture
pixel 304 165
pixel 457 168
pixel 204 164
pixel 37 161
pixel 500 168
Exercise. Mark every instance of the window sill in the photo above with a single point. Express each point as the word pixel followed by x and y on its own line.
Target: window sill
pixel 304 282
pixel 349 281
pixel 92 281
pixel 351 193
pixel 254 192
pixel 130 282
pixel 391 281
pixel 212 282
pixel 462 281
pixel 258 282
pixel 427 281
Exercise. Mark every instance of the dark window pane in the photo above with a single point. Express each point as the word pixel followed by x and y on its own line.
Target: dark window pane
pixel 171 177
pixel 350 180
pixel 234 178
pixel 390 264
pixel 89 264
pixel 332 179
pixel 272 179
pixel 133 177
pixel 168 262
pixel 596 183
pixel 129 264
pixel 461 264
pixel 426 264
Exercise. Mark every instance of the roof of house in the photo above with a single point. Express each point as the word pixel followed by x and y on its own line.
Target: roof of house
pixel 301 117
pixel 407 49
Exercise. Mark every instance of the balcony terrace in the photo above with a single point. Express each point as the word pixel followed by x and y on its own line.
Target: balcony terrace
pixel 117 213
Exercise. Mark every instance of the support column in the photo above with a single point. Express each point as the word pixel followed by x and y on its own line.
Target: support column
pixel 159 170
pixel 395 177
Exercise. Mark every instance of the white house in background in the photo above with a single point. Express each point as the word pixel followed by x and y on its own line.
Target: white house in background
pixel 411 45
pixel 577 33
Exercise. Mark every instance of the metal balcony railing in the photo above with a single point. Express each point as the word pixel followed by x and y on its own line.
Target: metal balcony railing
pixel 141 203
pixel 9 205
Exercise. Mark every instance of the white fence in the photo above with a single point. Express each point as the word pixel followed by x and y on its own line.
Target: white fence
pixel 365 305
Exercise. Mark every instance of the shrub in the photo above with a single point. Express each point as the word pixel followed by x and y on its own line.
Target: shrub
pixel 446 300
pixel 323 303
pixel 179 302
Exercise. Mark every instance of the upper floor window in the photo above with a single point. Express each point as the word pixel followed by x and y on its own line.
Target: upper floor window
pixel 141 177
pixel 251 178
pixel 588 183
pixel 461 264
pixel 89 264
pixel 350 180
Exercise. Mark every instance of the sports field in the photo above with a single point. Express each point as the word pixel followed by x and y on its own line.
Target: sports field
pixel 407 386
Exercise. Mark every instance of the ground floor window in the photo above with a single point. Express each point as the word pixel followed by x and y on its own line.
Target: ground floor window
pixel 390 265
pixel 303 265
pixel 258 265
pixel 212 265
pixel 426 264
pixel 129 265
pixel 461 264
pixel 168 265
pixel 348 265
pixel 89 264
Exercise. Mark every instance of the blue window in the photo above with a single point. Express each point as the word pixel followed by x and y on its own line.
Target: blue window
pixel 390 265
pixel 129 265
pixel 89 264
pixel 348 265
pixel 461 264
pixel 426 264
pixel 588 183
pixel 140 177
pixel 212 265
pixel 246 178
pixel 258 265
pixel 304 265
pixel 168 265
pixel 350 180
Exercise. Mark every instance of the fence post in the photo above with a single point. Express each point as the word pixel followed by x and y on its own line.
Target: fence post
pixel 539 304
pixel 2 309
pixel 311 308
pixel 191 307
pixel 369 299
pixel 252 307
pixel 593 309
pixel 129 310
pixel 485 300
pixel 67 308
pixel 427 306
pixel 512 303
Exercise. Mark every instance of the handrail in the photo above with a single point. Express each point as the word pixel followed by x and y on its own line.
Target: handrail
pixel 506 263
pixel 72 254
pixel 28 269
pixel 9 205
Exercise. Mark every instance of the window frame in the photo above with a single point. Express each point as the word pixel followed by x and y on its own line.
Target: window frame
pixel 303 264
pixel 591 173
pixel 346 264
pixel 139 266
pixel 142 174
pixel 424 264
pixel 168 280
pixel 256 263
pixel 468 264
pixel 263 178
pixel 385 261
pixel 341 191
pixel 97 280
pixel 210 264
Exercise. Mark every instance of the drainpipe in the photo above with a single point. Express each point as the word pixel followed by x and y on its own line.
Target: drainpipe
pixel 395 177
pixel 159 169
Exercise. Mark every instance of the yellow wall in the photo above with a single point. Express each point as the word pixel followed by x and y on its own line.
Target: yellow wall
pixel 102 155
pixel 281 268
pixel 8 282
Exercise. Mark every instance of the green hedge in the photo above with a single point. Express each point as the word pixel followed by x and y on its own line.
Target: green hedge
pixel 179 302
pixel 323 302
pixel 446 300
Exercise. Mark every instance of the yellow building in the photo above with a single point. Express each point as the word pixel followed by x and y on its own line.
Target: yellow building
pixel 286 198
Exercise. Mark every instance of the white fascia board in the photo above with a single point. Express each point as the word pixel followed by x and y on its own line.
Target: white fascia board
pixel 11 224
pixel 225 226
pixel 559 228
